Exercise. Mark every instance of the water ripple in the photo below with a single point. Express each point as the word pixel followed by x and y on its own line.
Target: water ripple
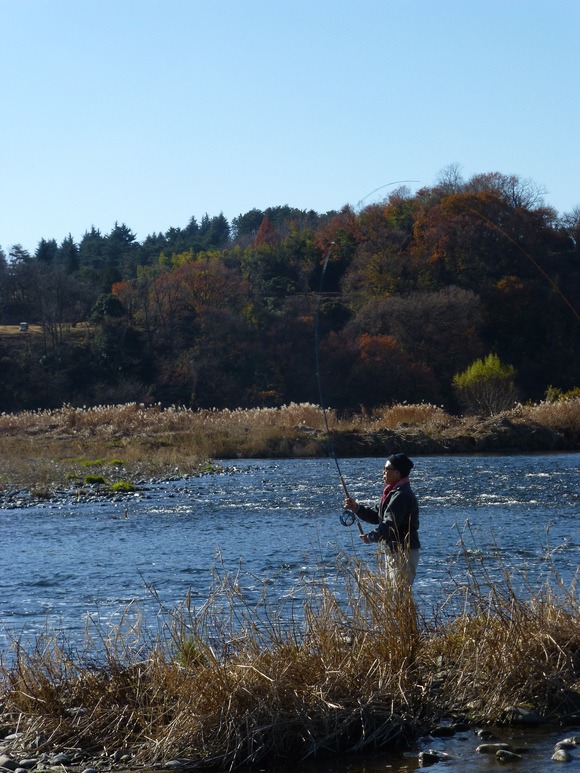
pixel 275 523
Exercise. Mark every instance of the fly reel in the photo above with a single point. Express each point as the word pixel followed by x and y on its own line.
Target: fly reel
pixel 347 518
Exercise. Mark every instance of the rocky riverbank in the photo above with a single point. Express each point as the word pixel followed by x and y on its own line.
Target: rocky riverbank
pixel 496 434
pixel 17 498
pixel 454 743
pixel 503 433
pixel 477 436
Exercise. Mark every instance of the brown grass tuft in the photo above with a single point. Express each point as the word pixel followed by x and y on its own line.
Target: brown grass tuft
pixel 423 415
pixel 507 652
pixel 562 415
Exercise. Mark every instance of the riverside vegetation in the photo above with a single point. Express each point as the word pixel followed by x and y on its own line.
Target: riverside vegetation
pixel 238 683
pixel 122 444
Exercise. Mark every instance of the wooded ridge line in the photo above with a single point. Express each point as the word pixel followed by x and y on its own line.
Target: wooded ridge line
pixel 418 289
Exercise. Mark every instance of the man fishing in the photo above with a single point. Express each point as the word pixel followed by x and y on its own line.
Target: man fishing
pixel 396 518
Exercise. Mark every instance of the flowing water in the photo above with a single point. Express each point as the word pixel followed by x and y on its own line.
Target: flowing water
pixel 277 522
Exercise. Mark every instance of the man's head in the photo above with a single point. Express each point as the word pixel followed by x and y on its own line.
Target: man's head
pixel 397 466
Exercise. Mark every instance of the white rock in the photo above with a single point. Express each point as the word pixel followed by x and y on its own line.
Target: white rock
pixel 561 755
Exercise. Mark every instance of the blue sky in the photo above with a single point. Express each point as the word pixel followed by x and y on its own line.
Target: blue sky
pixel 147 112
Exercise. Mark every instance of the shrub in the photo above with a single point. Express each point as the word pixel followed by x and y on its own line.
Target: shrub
pixel 94 479
pixel 92 462
pixel 554 395
pixel 486 386
pixel 122 486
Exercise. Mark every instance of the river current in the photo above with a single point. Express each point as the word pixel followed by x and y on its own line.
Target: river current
pixel 67 562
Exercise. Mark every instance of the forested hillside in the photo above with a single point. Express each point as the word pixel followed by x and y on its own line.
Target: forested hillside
pixel 226 314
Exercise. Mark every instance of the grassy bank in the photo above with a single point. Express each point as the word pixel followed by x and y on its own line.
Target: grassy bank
pixel 234 683
pixel 47 449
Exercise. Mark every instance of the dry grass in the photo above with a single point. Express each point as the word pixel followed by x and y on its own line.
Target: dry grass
pixel 563 415
pixel 47 448
pixel 43 449
pixel 135 418
pixel 235 682
pixel 424 415
pixel 232 683
pixel 14 330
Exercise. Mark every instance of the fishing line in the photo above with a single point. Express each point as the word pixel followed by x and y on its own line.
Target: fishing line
pixel 380 188
pixel 530 258
pixel 498 228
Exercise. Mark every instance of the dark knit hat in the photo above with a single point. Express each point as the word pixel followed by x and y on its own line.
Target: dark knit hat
pixel 402 463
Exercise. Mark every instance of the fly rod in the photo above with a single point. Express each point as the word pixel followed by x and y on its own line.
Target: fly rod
pixel 347 518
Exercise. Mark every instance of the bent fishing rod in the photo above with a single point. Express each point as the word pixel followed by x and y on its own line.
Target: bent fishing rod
pixel 347 518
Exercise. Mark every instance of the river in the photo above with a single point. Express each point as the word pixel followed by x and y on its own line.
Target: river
pixel 67 562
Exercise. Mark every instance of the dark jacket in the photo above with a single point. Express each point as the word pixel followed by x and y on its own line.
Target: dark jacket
pixel 397 517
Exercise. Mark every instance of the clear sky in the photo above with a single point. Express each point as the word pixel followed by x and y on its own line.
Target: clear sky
pixel 147 112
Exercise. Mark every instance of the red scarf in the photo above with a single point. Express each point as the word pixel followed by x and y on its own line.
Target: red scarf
pixel 391 487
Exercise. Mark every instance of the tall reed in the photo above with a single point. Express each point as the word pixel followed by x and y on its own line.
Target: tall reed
pixel 352 667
